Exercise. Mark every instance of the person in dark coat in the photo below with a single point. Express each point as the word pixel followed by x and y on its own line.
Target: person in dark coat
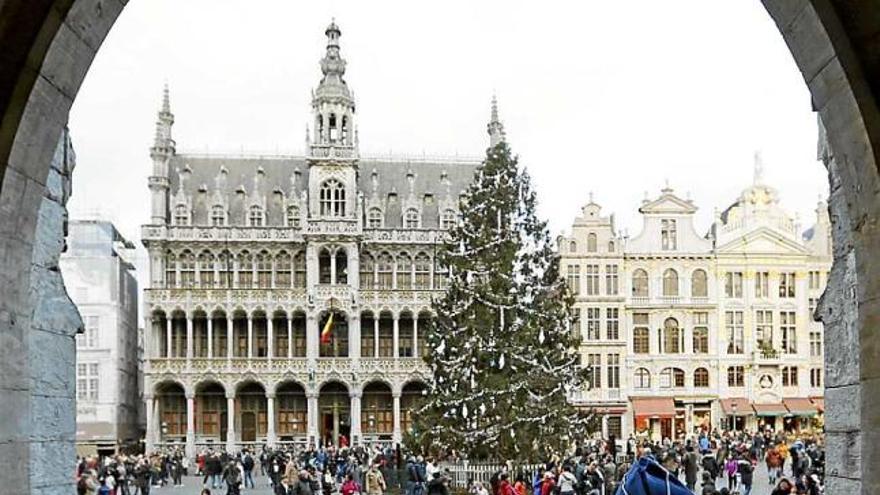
pixel 437 486
pixel 708 484
pixel 691 466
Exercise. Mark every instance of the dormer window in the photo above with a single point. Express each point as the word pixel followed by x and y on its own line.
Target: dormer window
pixel 668 235
pixel 218 216
pixel 181 215
pixel 411 218
pixel 255 216
pixel 332 200
pixel 293 217
pixel 447 220
pixel 374 218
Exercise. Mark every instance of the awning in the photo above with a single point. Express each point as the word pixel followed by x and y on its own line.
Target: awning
pixel 819 402
pixel 800 406
pixel 653 407
pixel 742 406
pixel 775 409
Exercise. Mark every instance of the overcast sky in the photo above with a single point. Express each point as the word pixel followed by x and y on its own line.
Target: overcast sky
pixel 609 97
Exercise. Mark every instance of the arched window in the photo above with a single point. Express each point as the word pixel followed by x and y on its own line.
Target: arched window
pixel 206 270
pixel 225 270
pixel 411 218
pixel 699 286
pixel 218 216
pixel 670 283
pixel 332 199
pixel 170 270
pixel 282 270
pixel 245 270
pixel 299 270
pixel 672 378
pixel 592 245
pixel 341 266
pixel 187 266
pixel 610 246
pixel 293 218
pixel 572 247
pixel 368 271
pixel 447 219
pixel 640 283
pixel 264 270
pixel 423 271
pixel 642 379
pixel 255 216
pixel 324 260
pixel 374 218
pixel 701 378
pixel 384 271
pixel 181 215
pixel 404 271
pixel 672 337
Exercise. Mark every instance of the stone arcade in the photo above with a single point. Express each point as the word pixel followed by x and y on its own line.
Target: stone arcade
pixel 250 256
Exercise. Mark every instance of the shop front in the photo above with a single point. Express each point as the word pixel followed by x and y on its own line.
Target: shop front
pixel 654 417
pixel 736 410
pixel 802 413
pixel 770 415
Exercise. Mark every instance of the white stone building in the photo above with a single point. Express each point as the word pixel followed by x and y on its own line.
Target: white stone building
pixel 101 282
pixel 710 330
pixel 250 256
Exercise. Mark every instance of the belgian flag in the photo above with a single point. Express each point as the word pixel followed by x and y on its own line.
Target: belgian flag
pixel 327 332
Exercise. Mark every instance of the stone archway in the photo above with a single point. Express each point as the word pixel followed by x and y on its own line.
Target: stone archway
pixel 46 48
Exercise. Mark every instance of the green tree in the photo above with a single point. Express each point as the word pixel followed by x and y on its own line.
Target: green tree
pixel 502 354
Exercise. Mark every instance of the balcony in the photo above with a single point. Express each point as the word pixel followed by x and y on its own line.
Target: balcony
pixel 412 236
pixel 244 297
pixel 212 233
pixel 766 354
pixel 300 365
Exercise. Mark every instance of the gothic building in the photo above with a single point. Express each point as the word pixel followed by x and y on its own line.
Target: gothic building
pixel 684 331
pixel 288 294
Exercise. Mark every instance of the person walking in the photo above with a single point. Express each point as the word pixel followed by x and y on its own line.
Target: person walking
pixel 232 478
pixel 691 464
pixel 375 482
pixel 774 464
pixel 247 464
pixel 730 466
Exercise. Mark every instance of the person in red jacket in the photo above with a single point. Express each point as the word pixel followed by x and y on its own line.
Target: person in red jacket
pixel 504 486
pixel 548 484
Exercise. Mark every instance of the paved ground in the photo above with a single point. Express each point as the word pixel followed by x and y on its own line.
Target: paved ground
pixel 193 486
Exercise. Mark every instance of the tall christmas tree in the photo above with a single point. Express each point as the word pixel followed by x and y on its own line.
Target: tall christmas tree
pixel 501 351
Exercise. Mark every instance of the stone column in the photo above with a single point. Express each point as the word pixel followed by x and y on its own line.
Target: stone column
pixel 190 425
pixel 312 349
pixel 230 421
pixel 354 337
pixel 356 435
pixel 290 336
pixel 333 268
pixel 312 417
pixel 415 335
pixel 271 438
pixel 210 337
pixel 168 324
pixel 270 335
pixel 189 337
pixel 150 436
pixel 396 337
pixel 230 333
pixel 250 336
pixel 376 336
pixel 396 435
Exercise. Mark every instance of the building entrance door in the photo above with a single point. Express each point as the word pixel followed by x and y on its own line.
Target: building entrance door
pixel 248 427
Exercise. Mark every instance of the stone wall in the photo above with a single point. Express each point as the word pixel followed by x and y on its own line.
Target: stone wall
pixel 54 324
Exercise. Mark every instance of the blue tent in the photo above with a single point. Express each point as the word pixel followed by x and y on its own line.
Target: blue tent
pixel 647 477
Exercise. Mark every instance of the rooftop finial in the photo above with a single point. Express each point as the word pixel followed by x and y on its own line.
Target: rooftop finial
pixel 758 175
pixel 495 128
pixel 166 99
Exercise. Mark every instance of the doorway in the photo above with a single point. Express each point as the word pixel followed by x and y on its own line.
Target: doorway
pixel 248 427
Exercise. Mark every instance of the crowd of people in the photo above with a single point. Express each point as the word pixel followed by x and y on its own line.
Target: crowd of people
pixel 722 463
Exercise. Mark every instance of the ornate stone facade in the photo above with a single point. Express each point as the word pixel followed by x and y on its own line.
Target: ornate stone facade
pixel 686 331
pixel 287 293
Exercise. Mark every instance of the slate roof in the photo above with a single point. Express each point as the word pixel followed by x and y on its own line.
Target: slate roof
pixel 278 171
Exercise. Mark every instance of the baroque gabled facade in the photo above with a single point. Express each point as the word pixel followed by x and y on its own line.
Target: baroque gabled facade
pixel 710 330
pixel 287 293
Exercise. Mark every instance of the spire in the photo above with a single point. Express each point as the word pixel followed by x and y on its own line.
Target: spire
pixel 162 141
pixel 495 127
pixel 758 174
pixel 332 65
